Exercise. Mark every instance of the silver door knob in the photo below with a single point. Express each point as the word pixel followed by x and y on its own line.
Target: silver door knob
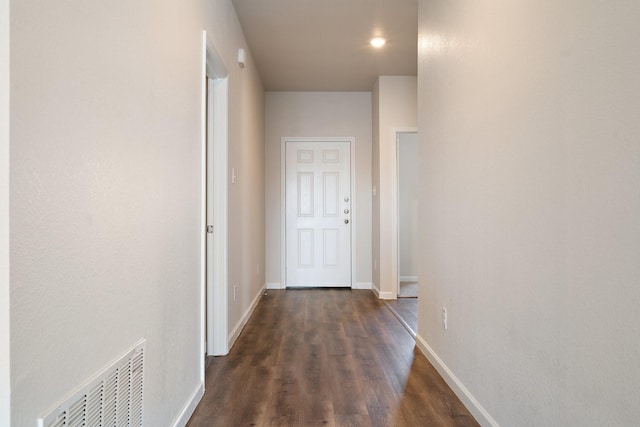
pixel 346 198
pixel 346 221
pixel 346 211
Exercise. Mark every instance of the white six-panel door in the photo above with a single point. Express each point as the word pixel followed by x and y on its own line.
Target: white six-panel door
pixel 318 213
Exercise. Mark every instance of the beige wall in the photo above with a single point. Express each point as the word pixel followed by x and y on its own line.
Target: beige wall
pixel 375 183
pixel 397 110
pixel 105 193
pixel 318 114
pixel 5 387
pixel 530 203
pixel 408 242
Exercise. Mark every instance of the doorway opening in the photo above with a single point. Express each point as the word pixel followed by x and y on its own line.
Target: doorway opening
pixel 404 263
pixel 214 167
pixel 407 208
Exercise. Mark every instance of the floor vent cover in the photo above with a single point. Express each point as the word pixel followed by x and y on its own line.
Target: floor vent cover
pixel 112 398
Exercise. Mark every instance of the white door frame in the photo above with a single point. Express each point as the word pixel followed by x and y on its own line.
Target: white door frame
pixel 283 196
pixel 214 307
pixel 395 206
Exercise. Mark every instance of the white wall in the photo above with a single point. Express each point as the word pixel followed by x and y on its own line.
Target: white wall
pixel 318 114
pixel 408 242
pixel 5 387
pixel 397 110
pixel 375 183
pixel 530 177
pixel 105 193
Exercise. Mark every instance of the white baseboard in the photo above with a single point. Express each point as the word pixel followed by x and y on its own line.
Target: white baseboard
pixel 477 410
pixel 362 285
pixel 375 289
pixel 235 333
pixel 382 295
pixel 408 278
pixel 274 285
pixel 387 295
pixel 190 407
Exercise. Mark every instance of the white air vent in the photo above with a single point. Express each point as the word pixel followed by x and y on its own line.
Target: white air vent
pixel 112 398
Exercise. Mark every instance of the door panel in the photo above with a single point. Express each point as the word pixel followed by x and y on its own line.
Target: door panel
pixel 318 213
pixel 305 194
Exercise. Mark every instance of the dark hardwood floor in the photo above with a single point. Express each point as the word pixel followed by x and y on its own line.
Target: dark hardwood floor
pixel 325 357
pixel 406 309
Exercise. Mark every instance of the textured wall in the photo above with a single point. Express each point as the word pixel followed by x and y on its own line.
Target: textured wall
pixel 105 192
pixel 318 114
pixel 530 177
pixel 4 214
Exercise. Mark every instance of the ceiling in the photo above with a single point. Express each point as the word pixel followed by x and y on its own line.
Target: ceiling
pixel 323 45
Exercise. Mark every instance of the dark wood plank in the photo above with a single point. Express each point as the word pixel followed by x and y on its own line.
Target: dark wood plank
pixel 407 310
pixel 325 358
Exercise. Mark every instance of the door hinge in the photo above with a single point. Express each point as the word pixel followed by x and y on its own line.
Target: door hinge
pixel 210 229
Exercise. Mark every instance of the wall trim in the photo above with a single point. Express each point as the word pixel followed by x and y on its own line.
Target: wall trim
pixel 387 295
pixel 375 289
pixel 479 412
pixel 408 278
pixel 362 285
pixel 274 285
pixel 190 407
pixel 383 295
pixel 235 333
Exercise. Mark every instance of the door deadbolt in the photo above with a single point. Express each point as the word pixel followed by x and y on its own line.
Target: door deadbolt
pixel 346 221
pixel 346 211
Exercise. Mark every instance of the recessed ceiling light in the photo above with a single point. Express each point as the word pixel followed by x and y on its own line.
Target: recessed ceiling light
pixel 377 42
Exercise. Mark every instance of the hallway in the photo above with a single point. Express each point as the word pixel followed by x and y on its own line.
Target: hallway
pixel 326 357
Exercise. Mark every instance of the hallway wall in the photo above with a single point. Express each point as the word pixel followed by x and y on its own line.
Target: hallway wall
pixel 5 403
pixel 318 114
pixel 395 109
pixel 530 177
pixel 106 193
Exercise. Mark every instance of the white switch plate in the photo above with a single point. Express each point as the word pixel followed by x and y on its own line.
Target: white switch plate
pixel 445 318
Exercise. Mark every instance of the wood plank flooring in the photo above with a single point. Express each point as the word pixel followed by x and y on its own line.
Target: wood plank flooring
pixel 408 290
pixel 325 357
pixel 407 310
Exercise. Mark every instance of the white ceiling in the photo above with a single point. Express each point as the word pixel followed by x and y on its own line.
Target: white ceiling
pixel 323 45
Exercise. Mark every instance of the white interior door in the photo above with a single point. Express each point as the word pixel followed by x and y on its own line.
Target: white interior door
pixel 318 213
pixel 214 187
